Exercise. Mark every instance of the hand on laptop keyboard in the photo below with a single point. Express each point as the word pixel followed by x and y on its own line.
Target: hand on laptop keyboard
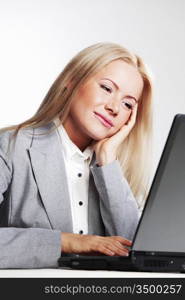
pixel 94 244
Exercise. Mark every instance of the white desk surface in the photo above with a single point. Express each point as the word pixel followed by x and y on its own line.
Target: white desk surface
pixel 68 273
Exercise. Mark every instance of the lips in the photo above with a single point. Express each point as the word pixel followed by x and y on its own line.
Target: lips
pixel 104 120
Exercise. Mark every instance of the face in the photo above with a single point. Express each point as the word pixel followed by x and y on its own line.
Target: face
pixel 104 103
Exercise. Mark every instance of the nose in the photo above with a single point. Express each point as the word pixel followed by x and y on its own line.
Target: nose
pixel 113 105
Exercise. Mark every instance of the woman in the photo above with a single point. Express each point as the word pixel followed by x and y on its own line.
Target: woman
pixel 68 175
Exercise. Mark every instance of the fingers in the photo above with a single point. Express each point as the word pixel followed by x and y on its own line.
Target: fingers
pixel 112 246
pixel 127 127
pixel 132 119
pixel 111 249
pixel 109 245
pixel 122 240
pixel 107 251
pixel 118 249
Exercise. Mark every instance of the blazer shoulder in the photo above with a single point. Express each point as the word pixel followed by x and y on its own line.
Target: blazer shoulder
pixel 6 136
pixel 25 138
pixel 9 142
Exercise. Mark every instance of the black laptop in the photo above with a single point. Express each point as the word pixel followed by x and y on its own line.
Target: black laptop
pixel 159 241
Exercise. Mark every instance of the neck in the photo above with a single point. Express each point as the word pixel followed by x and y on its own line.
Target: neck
pixel 78 138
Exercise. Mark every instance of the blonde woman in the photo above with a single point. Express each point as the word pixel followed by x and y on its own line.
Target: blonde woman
pixel 71 176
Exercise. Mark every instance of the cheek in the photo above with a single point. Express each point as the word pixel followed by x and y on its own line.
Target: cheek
pixel 121 122
pixel 78 107
pixel 84 102
pixel 124 118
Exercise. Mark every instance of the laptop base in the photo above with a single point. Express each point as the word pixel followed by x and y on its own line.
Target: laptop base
pixel 101 262
pixel 159 261
pixel 140 261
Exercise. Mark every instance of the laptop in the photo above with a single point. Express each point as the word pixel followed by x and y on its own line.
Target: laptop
pixel 159 241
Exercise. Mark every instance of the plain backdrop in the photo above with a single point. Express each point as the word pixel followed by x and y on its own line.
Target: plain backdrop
pixel 38 37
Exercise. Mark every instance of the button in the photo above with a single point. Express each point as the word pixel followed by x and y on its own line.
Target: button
pixel 80 203
pixel 79 174
pixel 81 232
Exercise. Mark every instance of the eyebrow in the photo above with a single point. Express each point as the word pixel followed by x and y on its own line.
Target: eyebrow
pixel 117 87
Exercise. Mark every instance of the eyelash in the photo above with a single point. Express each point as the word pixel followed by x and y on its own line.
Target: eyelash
pixel 109 90
pixel 129 106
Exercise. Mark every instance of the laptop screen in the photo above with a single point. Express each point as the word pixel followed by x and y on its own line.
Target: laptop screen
pixel 162 225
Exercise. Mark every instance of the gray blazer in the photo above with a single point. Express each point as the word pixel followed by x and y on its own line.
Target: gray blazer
pixel 35 204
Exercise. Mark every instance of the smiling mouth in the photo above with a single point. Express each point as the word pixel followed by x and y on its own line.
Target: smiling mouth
pixel 105 122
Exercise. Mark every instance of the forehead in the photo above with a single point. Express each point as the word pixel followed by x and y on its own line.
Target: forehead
pixel 126 76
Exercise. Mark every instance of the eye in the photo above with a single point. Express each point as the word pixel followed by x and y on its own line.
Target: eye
pixel 106 88
pixel 127 104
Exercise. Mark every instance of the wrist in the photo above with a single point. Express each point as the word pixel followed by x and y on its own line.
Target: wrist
pixel 106 159
pixel 66 242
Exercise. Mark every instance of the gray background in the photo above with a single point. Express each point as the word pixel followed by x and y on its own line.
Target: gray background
pixel 38 37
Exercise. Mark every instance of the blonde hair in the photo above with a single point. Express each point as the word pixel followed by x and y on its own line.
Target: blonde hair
pixel 135 152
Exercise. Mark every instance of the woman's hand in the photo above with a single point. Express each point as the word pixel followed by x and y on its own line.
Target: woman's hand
pixel 106 149
pixel 94 244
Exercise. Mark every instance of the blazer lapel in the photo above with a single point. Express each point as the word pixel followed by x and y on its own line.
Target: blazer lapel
pixel 95 223
pixel 49 170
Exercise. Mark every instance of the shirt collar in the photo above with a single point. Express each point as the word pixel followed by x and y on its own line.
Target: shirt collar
pixel 70 149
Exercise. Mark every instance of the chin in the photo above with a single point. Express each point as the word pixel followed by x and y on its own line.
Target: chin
pixel 97 134
pixel 99 137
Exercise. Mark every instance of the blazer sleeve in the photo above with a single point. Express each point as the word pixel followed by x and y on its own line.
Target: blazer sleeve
pixel 25 247
pixel 118 206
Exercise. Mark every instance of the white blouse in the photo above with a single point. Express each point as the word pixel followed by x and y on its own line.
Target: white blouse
pixel 77 171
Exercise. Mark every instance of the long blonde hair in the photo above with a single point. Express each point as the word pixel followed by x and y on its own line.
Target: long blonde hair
pixel 135 152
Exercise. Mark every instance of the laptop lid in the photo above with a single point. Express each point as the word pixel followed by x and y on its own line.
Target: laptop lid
pixel 162 224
